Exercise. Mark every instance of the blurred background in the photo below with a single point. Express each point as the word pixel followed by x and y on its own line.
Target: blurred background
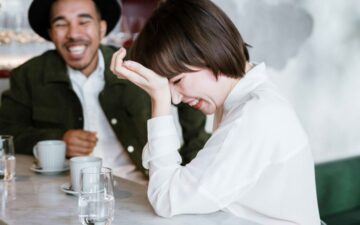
pixel 311 48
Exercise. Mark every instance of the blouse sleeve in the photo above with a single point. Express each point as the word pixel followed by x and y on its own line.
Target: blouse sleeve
pixel 172 188
pixel 204 185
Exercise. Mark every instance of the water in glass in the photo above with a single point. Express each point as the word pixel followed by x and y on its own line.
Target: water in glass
pixel 96 210
pixel 96 197
pixel 7 158
pixel 9 167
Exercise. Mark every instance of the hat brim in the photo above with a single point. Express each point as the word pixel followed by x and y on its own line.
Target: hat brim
pixel 39 13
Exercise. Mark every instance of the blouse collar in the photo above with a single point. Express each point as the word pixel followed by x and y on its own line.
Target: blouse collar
pixel 251 80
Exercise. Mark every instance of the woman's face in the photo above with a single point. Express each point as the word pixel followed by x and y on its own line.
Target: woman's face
pixel 201 90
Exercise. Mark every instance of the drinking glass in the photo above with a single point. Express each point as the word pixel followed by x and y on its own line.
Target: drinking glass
pixel 96 196
pixel 7 158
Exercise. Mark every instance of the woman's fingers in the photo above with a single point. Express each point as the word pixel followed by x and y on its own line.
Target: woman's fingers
pixel 154 82
pixel 131 68
pixel 132 76
pixel 112 64
pixel 140 69
pixel 120 57
pixel 117 61
pixel 122 72
pixel 138 74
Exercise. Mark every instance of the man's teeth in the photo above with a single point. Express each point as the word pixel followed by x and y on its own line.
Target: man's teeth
pixel 77 49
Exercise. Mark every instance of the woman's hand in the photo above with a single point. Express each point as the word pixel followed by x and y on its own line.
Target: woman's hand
pixel 156 86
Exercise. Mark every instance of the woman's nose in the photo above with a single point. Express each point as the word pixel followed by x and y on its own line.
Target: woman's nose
pixel 176 97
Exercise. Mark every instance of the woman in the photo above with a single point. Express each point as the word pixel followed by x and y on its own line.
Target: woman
pixel 257 163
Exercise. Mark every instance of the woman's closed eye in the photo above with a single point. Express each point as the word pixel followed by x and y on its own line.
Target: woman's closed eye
pixel 177 81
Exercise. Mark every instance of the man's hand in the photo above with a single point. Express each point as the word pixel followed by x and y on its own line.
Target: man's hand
pixel 79 142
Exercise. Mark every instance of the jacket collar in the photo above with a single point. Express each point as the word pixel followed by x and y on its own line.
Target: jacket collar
pixel 55 68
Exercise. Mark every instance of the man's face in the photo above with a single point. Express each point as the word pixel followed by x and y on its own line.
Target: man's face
pixel 76 30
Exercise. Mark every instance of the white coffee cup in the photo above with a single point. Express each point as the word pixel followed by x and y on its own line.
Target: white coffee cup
pixel 50 154
pixel 81 162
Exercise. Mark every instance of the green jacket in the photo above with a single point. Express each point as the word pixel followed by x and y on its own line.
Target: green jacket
pixel 41 104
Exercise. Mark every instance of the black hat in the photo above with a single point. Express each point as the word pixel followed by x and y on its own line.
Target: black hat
pixel 40 9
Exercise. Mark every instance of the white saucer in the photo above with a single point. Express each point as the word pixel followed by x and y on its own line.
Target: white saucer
pixel 38 169
pixel 66 187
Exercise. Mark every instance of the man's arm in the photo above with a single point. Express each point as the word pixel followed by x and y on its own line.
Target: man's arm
pixel 15 119
pixel 16 116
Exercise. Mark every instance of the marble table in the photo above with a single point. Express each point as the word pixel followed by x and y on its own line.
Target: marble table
pixel 36 199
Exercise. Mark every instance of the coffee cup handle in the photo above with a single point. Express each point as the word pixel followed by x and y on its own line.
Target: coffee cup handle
pixel 35 151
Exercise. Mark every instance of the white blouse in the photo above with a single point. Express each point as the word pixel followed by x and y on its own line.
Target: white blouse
pixel 257 164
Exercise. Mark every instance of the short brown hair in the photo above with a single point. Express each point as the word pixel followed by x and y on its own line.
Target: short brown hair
pixel 183 33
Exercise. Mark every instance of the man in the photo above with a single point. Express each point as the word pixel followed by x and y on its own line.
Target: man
pixel 71 94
